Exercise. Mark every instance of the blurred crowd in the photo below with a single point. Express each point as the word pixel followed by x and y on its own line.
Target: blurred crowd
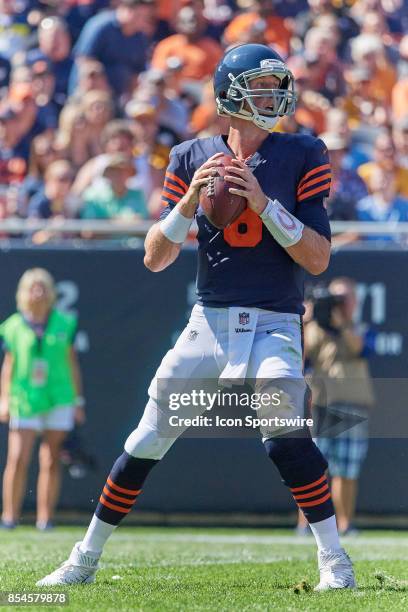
pixel 94 94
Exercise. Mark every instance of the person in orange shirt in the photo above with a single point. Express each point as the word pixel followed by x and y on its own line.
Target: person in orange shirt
pixel 198 54
pixel 277 33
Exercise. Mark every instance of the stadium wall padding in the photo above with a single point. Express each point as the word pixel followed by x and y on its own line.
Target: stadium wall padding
pixel 129 317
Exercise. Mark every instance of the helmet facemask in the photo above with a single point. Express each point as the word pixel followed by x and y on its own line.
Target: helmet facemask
pixel 283 98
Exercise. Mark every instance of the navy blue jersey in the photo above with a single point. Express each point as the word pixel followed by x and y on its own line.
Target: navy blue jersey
pixel 243 265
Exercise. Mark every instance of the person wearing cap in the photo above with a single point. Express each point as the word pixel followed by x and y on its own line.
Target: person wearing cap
pixel 119 39
pixel 152 151
pixel 112 198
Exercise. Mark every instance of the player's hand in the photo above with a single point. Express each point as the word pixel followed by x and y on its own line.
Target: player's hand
pixel 246 185
pixel 201 177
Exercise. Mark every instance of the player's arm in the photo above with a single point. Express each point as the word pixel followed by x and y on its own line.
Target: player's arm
pixel 5 382
pixel 312 251
pixel 164 240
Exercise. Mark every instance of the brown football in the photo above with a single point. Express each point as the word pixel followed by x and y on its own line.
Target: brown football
pixel 219 205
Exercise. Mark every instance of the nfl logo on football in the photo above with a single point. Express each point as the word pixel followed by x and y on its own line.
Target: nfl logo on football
pixel 243 318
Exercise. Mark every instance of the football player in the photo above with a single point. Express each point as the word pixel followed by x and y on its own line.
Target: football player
pixel 250 278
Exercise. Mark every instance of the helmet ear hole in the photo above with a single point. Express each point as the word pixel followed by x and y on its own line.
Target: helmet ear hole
pixel 284 83
pixel 229 105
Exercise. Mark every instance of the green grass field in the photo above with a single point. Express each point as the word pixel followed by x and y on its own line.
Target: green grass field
pixel 209 569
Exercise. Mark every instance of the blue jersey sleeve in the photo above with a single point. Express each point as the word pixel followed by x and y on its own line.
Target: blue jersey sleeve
pixel 176 182
pixel 313 188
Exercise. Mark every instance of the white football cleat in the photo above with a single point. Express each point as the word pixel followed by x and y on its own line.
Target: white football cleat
pixel 80 568
pixel 336 570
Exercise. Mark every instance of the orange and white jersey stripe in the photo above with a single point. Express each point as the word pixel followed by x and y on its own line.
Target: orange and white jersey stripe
pixel 173 189
pixel 315 182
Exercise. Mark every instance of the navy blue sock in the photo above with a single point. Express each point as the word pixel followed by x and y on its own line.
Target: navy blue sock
pixel 302 468
pixel 123 486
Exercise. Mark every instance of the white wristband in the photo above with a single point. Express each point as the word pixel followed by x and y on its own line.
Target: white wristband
pixel 175 227
pixel 284 227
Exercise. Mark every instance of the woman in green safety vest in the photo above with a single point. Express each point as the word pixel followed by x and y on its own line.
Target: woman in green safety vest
pixel 40 392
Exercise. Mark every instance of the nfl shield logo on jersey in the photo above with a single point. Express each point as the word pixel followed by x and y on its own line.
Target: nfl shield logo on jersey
pixel 243 318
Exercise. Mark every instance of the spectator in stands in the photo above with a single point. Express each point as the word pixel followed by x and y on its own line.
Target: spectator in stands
pixel 402 64
pixel 117 137
pixel 91 77
pixel 171 110
pixel 261 16
pixel 54 48
pixel 320 9
pixel 44 151
pixel 98 111
pixel 394 11
pixel 347 187
pixel 324 70
pixel 358 151
pixel 385 158
pixel 198 54
pixel 366 113
pixel 74 12
pixel 312 107
pixel 43 88
pixel 40 386
pixel 375 23
pixel 384 203
pixel 31 119
pixel 112 198
pixel 118 40
pixel 152 152
pixel 13 166
pixel 14 29
pixel 367 53
pixel 55 200
pixel 400 140
pixel 81 126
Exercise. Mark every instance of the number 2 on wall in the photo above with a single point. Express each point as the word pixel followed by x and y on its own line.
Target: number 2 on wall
pixel 246 231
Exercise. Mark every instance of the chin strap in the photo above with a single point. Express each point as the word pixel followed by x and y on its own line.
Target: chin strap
pixel 284 227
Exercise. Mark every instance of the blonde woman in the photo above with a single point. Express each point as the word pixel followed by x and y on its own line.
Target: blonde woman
pixel 40 393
